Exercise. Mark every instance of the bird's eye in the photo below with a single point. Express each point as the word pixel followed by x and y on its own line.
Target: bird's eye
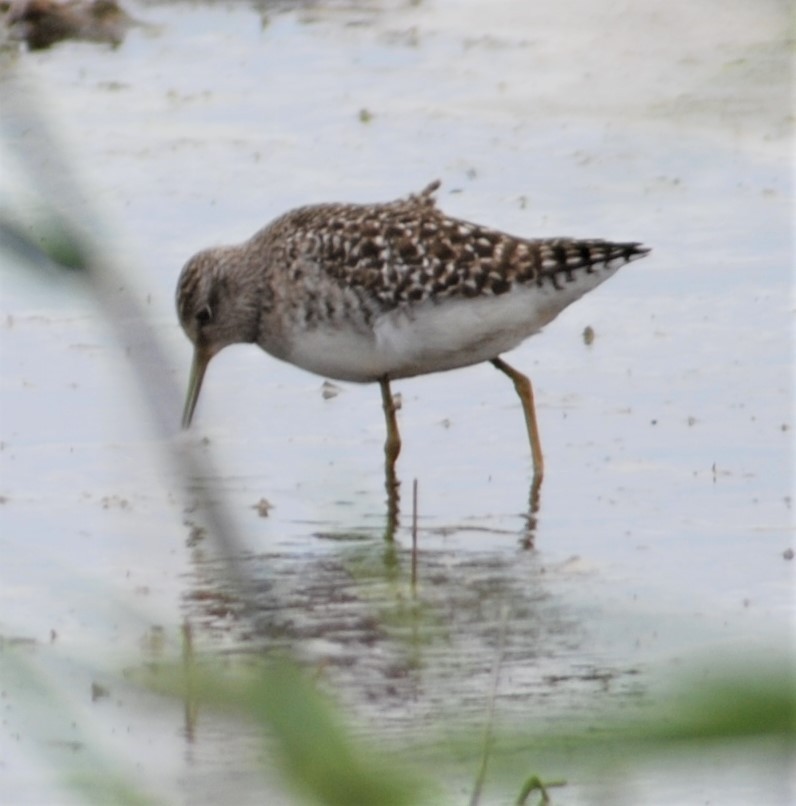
pixel 204 315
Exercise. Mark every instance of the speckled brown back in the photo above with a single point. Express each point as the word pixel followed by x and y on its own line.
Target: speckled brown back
pixel 408 251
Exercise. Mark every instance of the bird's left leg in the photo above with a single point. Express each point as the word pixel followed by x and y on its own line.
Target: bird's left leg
pixel 525 391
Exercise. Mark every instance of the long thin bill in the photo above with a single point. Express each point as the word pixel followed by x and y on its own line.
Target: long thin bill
pixel 201 358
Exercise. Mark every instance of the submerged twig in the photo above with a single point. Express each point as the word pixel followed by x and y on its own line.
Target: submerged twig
pixel 490 719
pixel 414 536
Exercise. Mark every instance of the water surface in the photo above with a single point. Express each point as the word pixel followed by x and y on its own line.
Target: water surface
pixel 666 507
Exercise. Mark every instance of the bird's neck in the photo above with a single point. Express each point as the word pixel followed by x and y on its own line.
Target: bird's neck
pixel 249 288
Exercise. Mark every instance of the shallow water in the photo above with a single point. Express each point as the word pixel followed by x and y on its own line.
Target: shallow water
pixel 666 507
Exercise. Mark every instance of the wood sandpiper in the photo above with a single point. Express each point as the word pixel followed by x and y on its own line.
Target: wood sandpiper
pixel 372 293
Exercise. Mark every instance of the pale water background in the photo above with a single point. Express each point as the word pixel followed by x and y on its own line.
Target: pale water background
pixel 666 511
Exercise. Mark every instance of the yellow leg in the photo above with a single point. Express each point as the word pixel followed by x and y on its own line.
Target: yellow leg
pixel 392 447
pixel 524 389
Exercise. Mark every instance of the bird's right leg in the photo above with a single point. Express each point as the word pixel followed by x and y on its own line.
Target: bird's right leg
pixel 392 447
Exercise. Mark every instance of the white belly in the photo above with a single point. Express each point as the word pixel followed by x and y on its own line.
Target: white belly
pixel 434 337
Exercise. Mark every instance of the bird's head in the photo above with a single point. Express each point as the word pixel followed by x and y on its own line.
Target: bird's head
pixel 215 311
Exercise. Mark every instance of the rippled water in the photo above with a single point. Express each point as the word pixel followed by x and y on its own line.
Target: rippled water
pixel 666 509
